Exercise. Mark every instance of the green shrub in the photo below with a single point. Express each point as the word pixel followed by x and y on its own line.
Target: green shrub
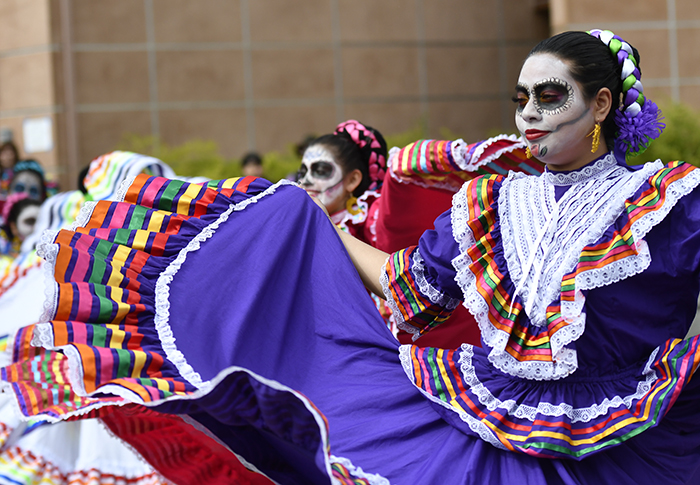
pixel 679 141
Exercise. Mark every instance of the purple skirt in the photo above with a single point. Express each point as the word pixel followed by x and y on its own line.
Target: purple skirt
pixel 240 308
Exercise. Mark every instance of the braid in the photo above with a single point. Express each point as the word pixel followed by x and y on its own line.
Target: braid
pixel 633 92
pixel 638 118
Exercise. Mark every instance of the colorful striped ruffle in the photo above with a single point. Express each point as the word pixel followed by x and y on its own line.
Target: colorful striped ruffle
pixel 547 421
pixel 13 269
pixel 108 171
pixel 479 273
pixel 41 385
pixel 103 318
pixel 643 211
pixel 448 164
pixel 416 305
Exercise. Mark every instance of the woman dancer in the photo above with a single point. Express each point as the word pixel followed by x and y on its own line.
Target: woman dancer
pixel 345 171
pixel 583 281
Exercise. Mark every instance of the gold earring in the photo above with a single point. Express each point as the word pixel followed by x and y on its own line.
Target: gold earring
pixel 528 153
pixel 350 204
pixel 596 137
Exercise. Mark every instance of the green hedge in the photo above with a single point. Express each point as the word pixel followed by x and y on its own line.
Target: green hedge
pixel 679 141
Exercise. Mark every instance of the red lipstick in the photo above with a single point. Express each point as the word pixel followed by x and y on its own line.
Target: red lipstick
pixel 535 134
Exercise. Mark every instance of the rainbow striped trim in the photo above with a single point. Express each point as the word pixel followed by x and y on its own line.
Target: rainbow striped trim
pixel 39 379
pixel 641 214
pixel 477 270
pixel 448 164
pixel 103 318
pixel 413 311
pixel 449 379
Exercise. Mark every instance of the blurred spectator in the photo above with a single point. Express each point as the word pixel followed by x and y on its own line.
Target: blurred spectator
pixel 252 165
pixel 8 158
pixel 20 214
pixel 28 177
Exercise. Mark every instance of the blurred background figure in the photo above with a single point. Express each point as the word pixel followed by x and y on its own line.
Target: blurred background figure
pixel 9 156
pixel 28 177
pixel 20 214
pixel 251 165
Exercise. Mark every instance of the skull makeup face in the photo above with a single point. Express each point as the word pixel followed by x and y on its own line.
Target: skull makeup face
pixel 26 221
pixel 321 176
pixel 552 113
pixel 29 182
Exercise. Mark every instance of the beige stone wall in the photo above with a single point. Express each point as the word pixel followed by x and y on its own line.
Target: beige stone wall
pixel 27 64
pixel 261 74
pixel 666 33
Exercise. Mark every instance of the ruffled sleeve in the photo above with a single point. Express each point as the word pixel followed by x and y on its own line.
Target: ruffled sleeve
pixel 448 164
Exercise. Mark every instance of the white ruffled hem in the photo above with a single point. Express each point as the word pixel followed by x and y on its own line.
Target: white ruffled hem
pixel 474 424
pixel 576 415
pixel 565 360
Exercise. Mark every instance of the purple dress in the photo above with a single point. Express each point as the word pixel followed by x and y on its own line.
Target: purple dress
pixel 238 307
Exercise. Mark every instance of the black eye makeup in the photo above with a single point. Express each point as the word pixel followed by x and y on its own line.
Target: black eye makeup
pixel 521 98
pixel 553 95
pixel 550 96
pixel 322 170
pixel 319 170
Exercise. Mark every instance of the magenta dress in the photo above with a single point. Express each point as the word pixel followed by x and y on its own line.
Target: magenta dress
pixel 237 308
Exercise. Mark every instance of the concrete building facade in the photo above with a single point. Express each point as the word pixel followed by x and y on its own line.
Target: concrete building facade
pixel 260 74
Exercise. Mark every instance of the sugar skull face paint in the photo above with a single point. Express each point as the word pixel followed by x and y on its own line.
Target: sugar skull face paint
pixel 551 111
pixel 321 176
pixel 26 221
pixel 28 182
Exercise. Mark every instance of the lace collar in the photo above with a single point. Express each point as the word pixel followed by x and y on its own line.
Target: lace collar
pixel 597 168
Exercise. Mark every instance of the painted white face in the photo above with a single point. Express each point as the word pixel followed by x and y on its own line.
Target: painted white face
pixel 28 182
pixel 321 176
pixel 26 221
pixel 551 112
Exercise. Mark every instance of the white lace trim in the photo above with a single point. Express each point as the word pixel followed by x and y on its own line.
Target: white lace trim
pixel 363 210
pixel 49 251
pixel 459 155
pixel 83 216
pixel 123 188
pixel 475 161
pixel 162 289
pixel 551 234
pixel 434 295
pixel 394 306
pixel 565 361
pixel 372 478
pixel 582 175
pixel 478 427
pixel 522 411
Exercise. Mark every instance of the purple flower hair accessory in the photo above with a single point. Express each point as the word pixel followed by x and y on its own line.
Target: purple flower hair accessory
pixel 638 131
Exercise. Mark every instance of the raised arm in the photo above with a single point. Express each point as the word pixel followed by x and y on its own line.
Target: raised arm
pixel 368 261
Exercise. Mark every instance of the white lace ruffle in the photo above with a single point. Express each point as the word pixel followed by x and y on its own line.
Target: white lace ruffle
pixel 49 252
pixel 459 155
pixel 589 230
pixel 162 289
pixel 363 210
pixel 394 306
pixel 459 152
pixel 582 175
pixel 478 427
pixel 526 207
pixel 434 295
pixel 576 415
pixel 123 188
pixel 372 478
